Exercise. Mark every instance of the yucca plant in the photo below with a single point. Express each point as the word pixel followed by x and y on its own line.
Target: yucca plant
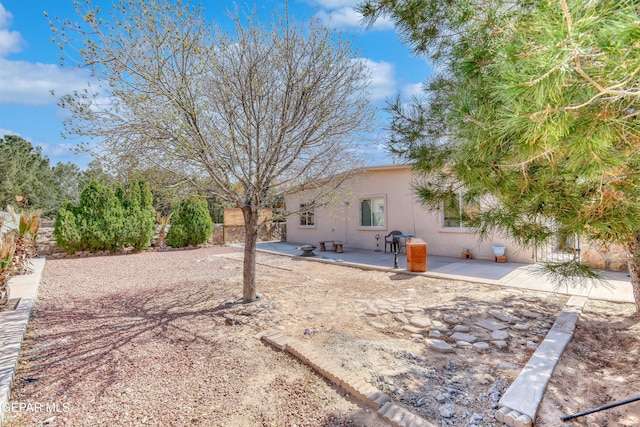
pixel 163 221
pixel 7 249
pixel 28 225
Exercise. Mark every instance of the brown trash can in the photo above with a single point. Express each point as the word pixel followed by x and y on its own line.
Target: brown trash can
pixel 416 255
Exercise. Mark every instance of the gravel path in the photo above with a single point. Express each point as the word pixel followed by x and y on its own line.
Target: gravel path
pixel 140 340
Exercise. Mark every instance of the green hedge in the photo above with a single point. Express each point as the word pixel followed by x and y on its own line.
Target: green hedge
pixel 191 224
pixel 107 219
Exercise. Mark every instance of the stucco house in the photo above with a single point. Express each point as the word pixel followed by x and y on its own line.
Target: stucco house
pixel 372 204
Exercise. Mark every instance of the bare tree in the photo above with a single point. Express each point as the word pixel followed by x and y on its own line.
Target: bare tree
pixel 254 113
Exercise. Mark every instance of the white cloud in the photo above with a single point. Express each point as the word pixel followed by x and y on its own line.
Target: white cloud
pixel 26 83
pixel 382 84
pixel 411 90
pixel 10 41
pixel 341 14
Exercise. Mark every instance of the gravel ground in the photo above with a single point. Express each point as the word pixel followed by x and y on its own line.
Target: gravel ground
pixel 155 339
pixel 141 340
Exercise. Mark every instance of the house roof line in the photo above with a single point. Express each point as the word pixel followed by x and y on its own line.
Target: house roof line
pixel 388 167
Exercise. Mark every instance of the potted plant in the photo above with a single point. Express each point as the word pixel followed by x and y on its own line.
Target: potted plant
pixel 499 250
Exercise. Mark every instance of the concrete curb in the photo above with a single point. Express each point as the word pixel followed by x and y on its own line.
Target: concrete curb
pixel 364 392
pixel 13 325
pixel 519 404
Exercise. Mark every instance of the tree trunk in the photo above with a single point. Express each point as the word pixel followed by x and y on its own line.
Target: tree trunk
pixel 633 256
pixel 249 268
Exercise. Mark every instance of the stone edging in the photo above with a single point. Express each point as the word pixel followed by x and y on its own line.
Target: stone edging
pixel 364 392
pixel 520 403
pixel 13 325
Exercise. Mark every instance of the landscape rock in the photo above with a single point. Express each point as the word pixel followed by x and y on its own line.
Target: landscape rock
pixel 481 347
pixel 499 335
pixel 439 346
pixel 412 329
pixel 434 333
pixel 531 314
pixel 503 317
pixel 501 345
pixel 460 336
pixel 448 318
pixel 446 411
pixel 401 318
pixel 420 322
pixel 491 324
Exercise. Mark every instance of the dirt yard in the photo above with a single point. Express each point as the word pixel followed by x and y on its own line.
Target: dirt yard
pixel 156 339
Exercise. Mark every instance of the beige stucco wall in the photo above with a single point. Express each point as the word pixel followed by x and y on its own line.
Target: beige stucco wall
pixel 340 219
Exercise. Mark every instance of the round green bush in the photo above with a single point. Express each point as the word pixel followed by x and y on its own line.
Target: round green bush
pixel 191 224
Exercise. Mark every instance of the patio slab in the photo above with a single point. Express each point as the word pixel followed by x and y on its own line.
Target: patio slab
pixel 509 274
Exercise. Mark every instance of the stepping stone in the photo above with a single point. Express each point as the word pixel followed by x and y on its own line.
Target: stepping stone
pixel 501 345
pixel 530 314
pixel 460 336
pixel 447 318
pixel 412 329
pixel 439 346
pixel 378 325
pixel 481 347
pixel 420 322
pixel 504 317
pixel 491 324
pixel 401 318
pixel 461 328
pixel 499 335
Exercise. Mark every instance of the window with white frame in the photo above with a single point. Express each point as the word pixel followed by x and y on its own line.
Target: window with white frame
pixel 372 212
pixel 307 215
pixel 457 211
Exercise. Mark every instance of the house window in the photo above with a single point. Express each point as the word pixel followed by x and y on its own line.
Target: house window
pixel 307 215
pixel 372 212
pixel 457 212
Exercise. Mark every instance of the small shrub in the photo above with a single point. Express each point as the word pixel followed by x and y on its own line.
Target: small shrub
pixel 191 224
pixel 139 215
pixel 66 230
pixel 100 218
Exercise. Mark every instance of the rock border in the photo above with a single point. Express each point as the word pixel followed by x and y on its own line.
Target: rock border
pixel 13 326
pixel 519 404
pixel 364 392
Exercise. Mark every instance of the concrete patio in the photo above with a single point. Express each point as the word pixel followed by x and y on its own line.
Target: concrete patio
pixel 617 287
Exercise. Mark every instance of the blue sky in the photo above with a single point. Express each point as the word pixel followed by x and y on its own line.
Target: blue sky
pixel 29 66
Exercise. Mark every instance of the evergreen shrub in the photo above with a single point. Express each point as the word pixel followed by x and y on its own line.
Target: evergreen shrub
pixel 107 219
pixel 191 224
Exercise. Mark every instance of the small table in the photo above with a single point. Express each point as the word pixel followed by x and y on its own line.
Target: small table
pixel 405 237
